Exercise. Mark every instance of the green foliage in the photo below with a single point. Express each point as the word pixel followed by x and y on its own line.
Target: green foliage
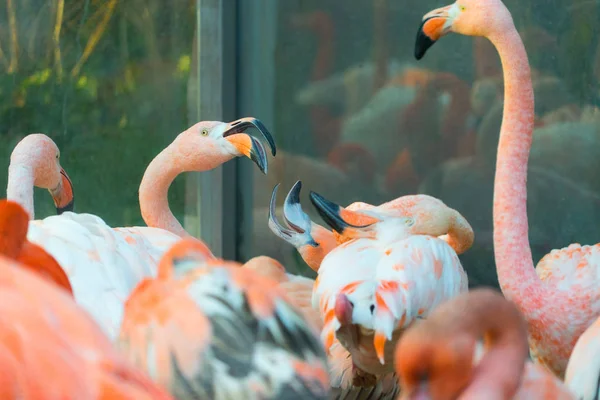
pixel 114 114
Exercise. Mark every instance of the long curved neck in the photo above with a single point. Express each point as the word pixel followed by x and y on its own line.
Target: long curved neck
pixel 485 313
pixel 20 187
pixel 324 57
pixel 153 194
pixel 514 263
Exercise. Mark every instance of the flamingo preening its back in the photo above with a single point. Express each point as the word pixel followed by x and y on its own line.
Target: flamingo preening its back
pixel 207 328
pixel 560 298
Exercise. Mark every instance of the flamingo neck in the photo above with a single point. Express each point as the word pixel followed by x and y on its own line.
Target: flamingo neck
pixel 486 314
pixel 324 57
pixel 154 190
pixel 514 262
pixel 20 187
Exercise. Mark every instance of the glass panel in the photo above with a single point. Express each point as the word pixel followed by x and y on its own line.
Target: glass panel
pixel 357 118
pixel 107 80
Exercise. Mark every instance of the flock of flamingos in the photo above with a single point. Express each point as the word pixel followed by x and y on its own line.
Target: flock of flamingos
pixel 94 312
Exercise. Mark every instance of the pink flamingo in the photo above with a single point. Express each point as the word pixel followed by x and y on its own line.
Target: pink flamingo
pixel 365 237
pixel 207 328
pixel 314 242
pixel 390 269
pixel 104 264
pixel 35 161
pixel 473 347
pixel 560 299
pixel 49 347
pixel 299 291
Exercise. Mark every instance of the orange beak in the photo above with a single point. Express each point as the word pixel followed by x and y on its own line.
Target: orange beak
pixel 434 26
pixel 63 196
pixel 248 145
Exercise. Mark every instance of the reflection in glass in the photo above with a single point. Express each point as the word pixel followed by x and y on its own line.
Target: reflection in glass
pixel 357 118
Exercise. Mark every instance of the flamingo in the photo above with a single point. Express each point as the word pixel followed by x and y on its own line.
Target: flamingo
pixel 583 370
pixel 104 264
pixel 434 219
pixel 35 161
pixel 473 347
pixel 207 328
pixel 299 291
pixel 314 242
pixel 559 298
pixel 389 270
pixel 49 347
pixel 14 221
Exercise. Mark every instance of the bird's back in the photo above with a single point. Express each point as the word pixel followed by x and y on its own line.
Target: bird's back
pixel 224 332
pixel 102 266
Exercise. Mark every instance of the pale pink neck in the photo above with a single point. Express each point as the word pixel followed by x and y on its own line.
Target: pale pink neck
pixel 516 273
pixel 154 191
pixel 20 187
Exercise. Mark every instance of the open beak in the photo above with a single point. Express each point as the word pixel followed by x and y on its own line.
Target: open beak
pixel 63 196
pixel 338 218
pixel 435 25
pixel 298 224
pixel 249 145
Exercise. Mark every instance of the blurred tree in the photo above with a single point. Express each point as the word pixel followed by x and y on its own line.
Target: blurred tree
pixel 106 79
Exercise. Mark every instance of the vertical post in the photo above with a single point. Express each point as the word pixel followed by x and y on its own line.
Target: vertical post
pixel 204 208
pixel 256 95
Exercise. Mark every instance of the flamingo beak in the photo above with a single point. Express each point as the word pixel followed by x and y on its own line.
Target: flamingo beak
pixel 435 24
pixel 298 223
pixel 63 195
pixel 338 218
pixel 248 145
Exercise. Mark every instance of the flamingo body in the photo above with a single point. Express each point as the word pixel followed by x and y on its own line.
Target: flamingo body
pixel 390 285
pixel 50 349
pixel 220 331
pixel 103 265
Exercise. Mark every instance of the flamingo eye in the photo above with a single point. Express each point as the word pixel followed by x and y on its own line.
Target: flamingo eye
pixel 463 8
pixel 204 132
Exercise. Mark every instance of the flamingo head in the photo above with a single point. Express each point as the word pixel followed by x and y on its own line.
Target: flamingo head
pixel 40 155
pixel 371 222
pixel 433 365
pixel 467 17
pixel 208 144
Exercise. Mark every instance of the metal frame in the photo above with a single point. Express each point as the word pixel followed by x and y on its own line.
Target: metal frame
pixel 235 73
pixel 211 207
pixel 257 40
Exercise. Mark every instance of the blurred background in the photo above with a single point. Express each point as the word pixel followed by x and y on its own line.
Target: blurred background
pixel 355 117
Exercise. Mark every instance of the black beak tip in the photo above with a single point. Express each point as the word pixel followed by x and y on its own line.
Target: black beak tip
pixel 422 43
pixel 257 154
pixel 265 132
pixel 293 196
pixel 330 212
pixel 68 207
